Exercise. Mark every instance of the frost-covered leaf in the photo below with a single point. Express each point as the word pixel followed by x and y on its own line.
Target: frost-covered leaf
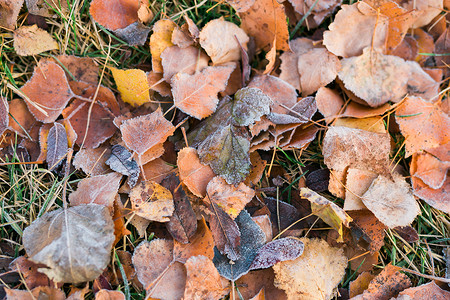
pixel 387 284
pixel 114 14
pixel 196 94
pixel 152 201
pixel 74 243
pixel 159 41
pixel 57 145
pixel 184 60
pixel 101 189
pixel 31 40
pixel 313 275
pixel 226 233
pixel 425 291
pixel 9 11
pixel 121 161
pixel 227 152
pixel 249 105
pixel 252 239
pixel 275 251
pixel 132 85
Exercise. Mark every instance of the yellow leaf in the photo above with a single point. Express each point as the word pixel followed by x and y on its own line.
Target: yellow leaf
pixel 132 85
pixel 159 41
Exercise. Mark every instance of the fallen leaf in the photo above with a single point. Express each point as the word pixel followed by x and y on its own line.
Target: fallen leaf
pixel 109 295
pixel 438 198
pixel 265 20
pixel 252 239
pixel 203 281
pixel 257 170
pixel 226 233
pixel 372 32
pixel 375 78
pixel 78 248
pixel 120 227
pixel 9 11
pixel 329 212
pixel 430 9
pixel 231 198
pixel 156 170
pixel 114 14
pixel 193 173
pixel 367 227
pixel 356 148
pixel 144 133
pixel 249 105
pixel 317 68
pixel 391 201
pixel 185 60
pixel 421 84
pixel 161 276
pixel 317 180
pixel 100 189
pixel 81 68
pixel 227 152
pixel 47 92
pixel 157 83
pixel 263 221
pixel 282 214
pixel 313 275
pixel 314 12
pixel 134 34
pixel 423 124
pixel 408 233
pixel 360 284
pixel 356 184
pixel 196 94
pixel 276 251
pixel 132 85
pixel 92 161
pixel 425 291
pixel 159 41
pixel 40 292
pixel 121 161
pixel 183 223
pixel 430 169
pixel 387 284
pixel 221 40
pixel 152 201
pixel 252 282
pixel 239 5
pixel 57 145
pixel 31 40
pixel 29 272
pixel 181 37
pixel 21 121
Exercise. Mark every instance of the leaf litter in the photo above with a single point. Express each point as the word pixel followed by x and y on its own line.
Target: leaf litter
pixel 220 193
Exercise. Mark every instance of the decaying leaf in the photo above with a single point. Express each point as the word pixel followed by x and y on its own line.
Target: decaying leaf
pixel 47 92
pixel 193 173
pixel 423 124
pixel 391 201
pixel 132 85
pixel 134 34
pixel 196 94
pixel 218 38
pixel 57 145
pixel 73 243
pixel 203 281
pixel 226 233
pixel 159 41
pixel 425 291
pixel 367 227
pixel 265 20
pixel 329 212
pixel 152 201
pixel 183 223
pixel 232 199
pixel 249 105
pixel 227 152
pixel 252 239
pixel 375 78
pixel 31 40
pixel 81 68
pixel 252 282
pixel 360 284
pixel 387 284
pixel 92 161
pixel 361 149
pixel 121 161
pixel 276 251
pixel 101 189
pixel 9 11
pixel 29 271
pixel 161 276
pixel 313 275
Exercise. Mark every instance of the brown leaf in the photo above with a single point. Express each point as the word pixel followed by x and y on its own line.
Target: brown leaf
pixel 9 11
pixel 203 281
pixel 429 9
pixel 159 41
pixel 366 226
pixel 387 284
pixel 73 243
pixel 356 184
pixel 47 92
pixel 225 232
pixel 361 149
pixel 430 169
pixel 408 233
pixel 157 83
pixel 121 161
pixel 57 145
pixel 263 221
pixel 201 243
pixel 92 161
pixel 185 60
pixel 31 40
pixel 181 37
pixel 315 11
pixel 218 38
pixel 249 285
pixel 81 68
pixel 391 201
pixel 360 284
pixel 438 198
pixel 257 170
pixel 317 68
pixel 375 78
pixel 29 271
pixel 143 133
pixel 423 124
pixel 109 295
pixel 21 120
pixel 425 291
pixel 41 292
pixel 196 94
pixel 313 275
pixel 372 31
pixel 100 189
pixel 152 201
pixel 114 14
pixel 232 199
pixel 193 173
pixel 157 170
pixel 265 20
pixel 183 223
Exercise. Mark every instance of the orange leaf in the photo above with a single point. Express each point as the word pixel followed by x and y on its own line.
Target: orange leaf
pixel 115 14
pixel 159 41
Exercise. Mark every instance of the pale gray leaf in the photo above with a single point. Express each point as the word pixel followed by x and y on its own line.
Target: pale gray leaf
pixel 250 104
pixel 57 145
pixel 121 161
